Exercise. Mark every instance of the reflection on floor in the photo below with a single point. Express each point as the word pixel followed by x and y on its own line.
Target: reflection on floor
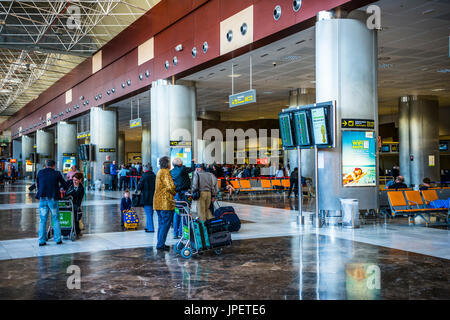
pixel 300 262
pixel 300 267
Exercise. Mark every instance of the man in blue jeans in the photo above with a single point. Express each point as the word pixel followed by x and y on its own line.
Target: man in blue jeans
pixel 49 181
pixel 180 176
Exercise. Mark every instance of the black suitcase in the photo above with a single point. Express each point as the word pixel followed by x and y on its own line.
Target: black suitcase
pixel 230 216
pixel 220 239
pixel 216 225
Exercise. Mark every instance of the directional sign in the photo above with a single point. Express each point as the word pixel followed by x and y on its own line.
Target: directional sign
pixel 242 98
pixel 136 123
pixel 107 150
pixel 358 124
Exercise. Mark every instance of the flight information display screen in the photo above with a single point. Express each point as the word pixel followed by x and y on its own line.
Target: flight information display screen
pixel 286 130
pixel 301 128
pixel 319 126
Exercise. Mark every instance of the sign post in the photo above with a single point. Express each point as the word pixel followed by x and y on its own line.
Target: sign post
pixel 300 219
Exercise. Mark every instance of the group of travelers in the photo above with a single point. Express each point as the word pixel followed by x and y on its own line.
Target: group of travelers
pixel 51 187
pixel 124 176
pixel 172 182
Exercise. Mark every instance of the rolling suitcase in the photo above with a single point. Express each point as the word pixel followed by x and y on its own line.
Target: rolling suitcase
pixel 130 219
pixel 220 239
pixel 216 225
pixel 230 216
pixel 201 235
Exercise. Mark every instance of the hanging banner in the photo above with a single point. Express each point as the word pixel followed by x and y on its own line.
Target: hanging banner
pixel 359 159
pixel 136 123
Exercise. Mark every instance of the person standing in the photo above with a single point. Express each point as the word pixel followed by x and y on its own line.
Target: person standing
pixel 76 190
pixel 113 173
pixel 294 183
pixel 49 182
pixel 163 201
pixel 147 187
pixel 207 184
pixel 133 177
pixel 123 178
pixel 71 173
pixel 180 177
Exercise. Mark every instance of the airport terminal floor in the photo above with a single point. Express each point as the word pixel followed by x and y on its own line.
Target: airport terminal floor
pixel 271 256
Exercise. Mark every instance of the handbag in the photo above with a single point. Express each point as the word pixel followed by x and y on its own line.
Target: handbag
pixel 136 199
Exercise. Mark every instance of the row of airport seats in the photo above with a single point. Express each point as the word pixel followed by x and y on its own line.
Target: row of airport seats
pixel 442 193
pixel 261 185
pixel 415 203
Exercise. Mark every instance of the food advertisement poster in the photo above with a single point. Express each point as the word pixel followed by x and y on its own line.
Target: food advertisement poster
pixel 359 159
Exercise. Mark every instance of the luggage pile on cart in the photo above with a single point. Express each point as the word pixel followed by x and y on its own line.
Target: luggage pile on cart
pixel 199 236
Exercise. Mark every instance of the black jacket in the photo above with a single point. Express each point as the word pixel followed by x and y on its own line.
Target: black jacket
pixel 48 182
pixel 147 187
pixel 76 194
pixel 180 177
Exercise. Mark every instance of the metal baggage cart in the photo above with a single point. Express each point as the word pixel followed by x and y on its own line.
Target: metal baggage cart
pixel 187 245
pixel 66 220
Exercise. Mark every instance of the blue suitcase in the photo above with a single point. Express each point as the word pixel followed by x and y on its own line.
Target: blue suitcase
pixel 200 233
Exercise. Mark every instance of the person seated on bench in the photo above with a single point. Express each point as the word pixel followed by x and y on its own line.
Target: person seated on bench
pixel 426 184
pixel 399 183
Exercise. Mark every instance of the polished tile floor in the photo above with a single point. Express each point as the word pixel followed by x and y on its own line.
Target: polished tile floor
pixel 299 262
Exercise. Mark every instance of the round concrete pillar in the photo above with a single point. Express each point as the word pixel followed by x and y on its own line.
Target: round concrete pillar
pixel 45 146
pixel 172 117
pixel 121 148
pixel 66 135
pixel 27 150
pixel 146 145
pixel 419 139
pixel 103 129
pixel 346 72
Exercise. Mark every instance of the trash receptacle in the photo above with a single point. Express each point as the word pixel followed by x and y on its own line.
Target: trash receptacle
pixel 350 213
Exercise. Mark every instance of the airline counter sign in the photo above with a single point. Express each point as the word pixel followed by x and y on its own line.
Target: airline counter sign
pixel 242 98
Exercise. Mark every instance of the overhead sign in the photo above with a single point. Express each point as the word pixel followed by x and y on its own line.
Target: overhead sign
pixel 83 135
pixel 136 123
pixel 107 150
pixel 357 124
pixel 69 154
pixel 242 98
pixel 174 143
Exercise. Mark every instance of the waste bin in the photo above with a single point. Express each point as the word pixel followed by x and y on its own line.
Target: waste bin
pixel 350 213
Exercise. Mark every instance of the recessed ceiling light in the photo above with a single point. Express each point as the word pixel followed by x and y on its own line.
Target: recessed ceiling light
pixel 234 75
pixel 436 90
pixel 428 11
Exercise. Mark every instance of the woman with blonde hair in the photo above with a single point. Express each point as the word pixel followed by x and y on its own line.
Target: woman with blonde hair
pixel 163 201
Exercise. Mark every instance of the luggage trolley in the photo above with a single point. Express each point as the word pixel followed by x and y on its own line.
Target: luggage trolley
pixel 187 246
pixel 66 220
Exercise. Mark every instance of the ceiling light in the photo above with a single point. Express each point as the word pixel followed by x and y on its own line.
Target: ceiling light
pixel 5 91
pixel 15 80
pixel 428 11
pixel 179 47
pixel 234 75
pixel 291 58
pixel 444 71
pixel 436 90
pixel 267 92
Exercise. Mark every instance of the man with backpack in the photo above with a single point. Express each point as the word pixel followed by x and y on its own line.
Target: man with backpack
pixel 206 184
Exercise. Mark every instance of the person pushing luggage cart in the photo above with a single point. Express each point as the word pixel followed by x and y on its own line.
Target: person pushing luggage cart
pixel 199 236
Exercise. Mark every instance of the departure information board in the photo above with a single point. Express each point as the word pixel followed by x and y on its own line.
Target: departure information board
pixel 301 128
pixel 286 130
pixel 319 126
